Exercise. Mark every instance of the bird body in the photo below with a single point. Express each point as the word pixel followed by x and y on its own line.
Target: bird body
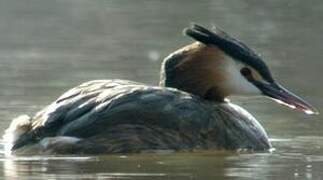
pixel 118 116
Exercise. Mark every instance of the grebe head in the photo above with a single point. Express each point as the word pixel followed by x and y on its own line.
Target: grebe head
pixel 218 65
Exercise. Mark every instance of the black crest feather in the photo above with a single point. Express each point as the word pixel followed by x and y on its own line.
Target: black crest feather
pixel 231 46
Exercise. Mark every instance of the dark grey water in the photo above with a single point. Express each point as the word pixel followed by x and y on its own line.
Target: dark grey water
pixel 47 47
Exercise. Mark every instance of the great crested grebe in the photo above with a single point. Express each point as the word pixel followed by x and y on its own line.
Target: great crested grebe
pixel 188 111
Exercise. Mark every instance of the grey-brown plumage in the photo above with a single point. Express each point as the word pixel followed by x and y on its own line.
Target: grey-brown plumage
pixel 113 116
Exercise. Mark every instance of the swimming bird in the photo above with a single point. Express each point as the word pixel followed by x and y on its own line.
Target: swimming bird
pixel 188 111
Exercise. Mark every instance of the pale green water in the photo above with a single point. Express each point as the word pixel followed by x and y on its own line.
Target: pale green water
pixel 47 47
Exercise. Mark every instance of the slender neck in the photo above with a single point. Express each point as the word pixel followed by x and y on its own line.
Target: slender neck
pixel 193 69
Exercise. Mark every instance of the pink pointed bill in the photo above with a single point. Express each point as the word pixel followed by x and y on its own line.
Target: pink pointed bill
pixel 287 98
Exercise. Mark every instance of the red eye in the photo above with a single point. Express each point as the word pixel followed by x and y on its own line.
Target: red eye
pixel 245 72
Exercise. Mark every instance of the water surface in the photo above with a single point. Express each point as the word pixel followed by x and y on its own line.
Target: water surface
pixel 47 47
